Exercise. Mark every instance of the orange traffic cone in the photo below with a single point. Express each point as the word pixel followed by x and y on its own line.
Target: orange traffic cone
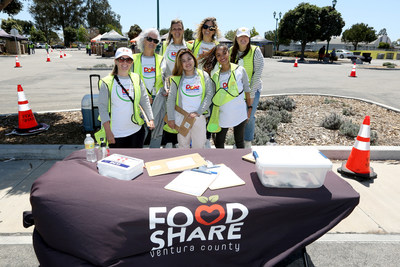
pixel 17 64
pixel 357 165
pixel 48 58
pixel 61 55
pixel 295 63
pixel 353 71
pixel 27 123
pixel 65 54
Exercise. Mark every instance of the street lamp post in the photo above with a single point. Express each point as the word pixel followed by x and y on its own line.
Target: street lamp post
pixel 334 2
pixel 276 27
pixel 158 15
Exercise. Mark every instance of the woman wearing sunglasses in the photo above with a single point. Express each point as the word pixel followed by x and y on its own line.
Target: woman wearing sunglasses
pixel 231 102
pixel 192 90
pixel 122 97
pixel 147 65
pixel 250 57
pixel 206 37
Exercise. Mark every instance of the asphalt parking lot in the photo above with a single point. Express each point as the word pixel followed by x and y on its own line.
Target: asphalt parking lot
pixel 59 85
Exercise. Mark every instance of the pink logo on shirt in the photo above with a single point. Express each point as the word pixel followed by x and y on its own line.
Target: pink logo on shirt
pixel 149 70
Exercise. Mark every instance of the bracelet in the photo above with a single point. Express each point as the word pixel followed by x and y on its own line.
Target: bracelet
pixel 249 107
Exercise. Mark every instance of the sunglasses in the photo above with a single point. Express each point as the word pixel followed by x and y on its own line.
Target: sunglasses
pixel 149 39
pixel 125 59
pixel 210 28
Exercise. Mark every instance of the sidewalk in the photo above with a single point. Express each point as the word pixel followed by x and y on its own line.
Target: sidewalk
pixel 370 236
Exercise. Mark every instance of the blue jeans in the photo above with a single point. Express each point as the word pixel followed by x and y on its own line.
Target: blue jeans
pixel 249 129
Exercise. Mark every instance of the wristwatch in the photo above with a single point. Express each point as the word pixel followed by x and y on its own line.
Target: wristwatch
pixel 249 107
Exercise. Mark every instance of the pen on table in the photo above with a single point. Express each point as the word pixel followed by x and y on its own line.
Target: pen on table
pixel 255 155
pixel 208 172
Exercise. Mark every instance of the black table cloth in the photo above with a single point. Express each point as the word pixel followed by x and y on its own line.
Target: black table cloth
pixel 85 219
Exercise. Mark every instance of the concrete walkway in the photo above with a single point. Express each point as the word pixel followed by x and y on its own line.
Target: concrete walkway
pixel 370 236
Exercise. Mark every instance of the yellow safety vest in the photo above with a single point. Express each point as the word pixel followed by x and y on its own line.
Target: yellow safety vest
pixel 196 46
pixel 221 97
pixel 248 61
pixel 137 68
pixel 136 117
pixel 177 80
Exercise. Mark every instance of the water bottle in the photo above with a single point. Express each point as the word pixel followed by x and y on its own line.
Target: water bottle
pixel 89 147
pixel 272 142
pixel 105 151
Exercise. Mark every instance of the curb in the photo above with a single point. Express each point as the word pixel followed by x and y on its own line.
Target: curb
pixel 59 152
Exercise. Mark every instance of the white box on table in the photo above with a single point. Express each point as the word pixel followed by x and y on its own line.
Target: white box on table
pixel 120 167
pixel 291 167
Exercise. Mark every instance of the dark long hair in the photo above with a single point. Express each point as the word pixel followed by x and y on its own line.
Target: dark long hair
pixel 210 60
pixel 235 51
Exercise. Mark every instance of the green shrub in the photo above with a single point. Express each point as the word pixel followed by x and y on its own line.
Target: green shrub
pixel 348 128
pixel 332 122
pixel 348 111
pixel 389 65
pixel 374 137
pixel 261 136
pixel 277 102
pixel 328 101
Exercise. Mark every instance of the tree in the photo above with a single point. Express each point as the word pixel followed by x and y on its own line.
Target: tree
pixel 230 35
pixel 270 35
pixel 331 23
pixel 70 34
pixel 101 16
pixel 22 26
pixel 163 31
pixel 37 35
pixel 8 24
pixel 10 7
pixel 134 31
pixel 82 34
pixel 253 32
pixel 59 14
pixel 383 45
pixel 188 34
pixel 382 32
pixel 301 24
pixel 359 32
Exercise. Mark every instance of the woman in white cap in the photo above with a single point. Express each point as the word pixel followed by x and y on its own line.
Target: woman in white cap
pixel 191 90
pixel 250 57
pixel 231 102
pixel 122 101
pixel 147 65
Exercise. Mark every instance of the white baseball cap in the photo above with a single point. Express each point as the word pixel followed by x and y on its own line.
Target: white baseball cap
pixel 123 51
pixel 243 31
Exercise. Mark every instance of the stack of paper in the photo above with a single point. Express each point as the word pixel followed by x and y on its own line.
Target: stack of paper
pixel 196 183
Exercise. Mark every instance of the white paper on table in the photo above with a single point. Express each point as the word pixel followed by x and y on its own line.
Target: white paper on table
pixel 179 163
pixel 226 178
pixel 191 182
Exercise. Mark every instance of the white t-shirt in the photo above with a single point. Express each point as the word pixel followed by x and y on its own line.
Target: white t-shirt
pixel 169 57
pixel 234 112
pixel 205 47
pixel 191 92
pixel 149 73
pixel 122 109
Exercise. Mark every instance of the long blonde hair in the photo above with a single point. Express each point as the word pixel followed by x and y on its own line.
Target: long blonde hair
pixel 199 33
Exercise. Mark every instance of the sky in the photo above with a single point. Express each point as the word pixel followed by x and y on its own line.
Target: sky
pixel 233 14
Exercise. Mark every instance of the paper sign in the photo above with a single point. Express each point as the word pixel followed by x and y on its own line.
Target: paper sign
pixel 175 164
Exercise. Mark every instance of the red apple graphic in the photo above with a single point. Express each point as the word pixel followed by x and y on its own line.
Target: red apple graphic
pixel 209 210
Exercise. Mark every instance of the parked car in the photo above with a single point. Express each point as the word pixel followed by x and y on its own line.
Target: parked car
pixel 342 53
pixel 58 46
pixel 40 45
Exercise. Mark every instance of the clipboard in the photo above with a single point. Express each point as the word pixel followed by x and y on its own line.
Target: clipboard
pixel 187 122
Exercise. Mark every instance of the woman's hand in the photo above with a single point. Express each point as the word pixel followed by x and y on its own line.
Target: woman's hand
pixel 249 113
pixel 171 124
pixel 166 92
pixel 109 134
pixel 150 124
pixel 193 115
